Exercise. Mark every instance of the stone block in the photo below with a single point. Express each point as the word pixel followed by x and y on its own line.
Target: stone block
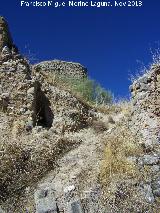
pixel 76 207
pixel 150 159
pixel 45 200
pixel 156 187
pixel 148 194
pixel 1 211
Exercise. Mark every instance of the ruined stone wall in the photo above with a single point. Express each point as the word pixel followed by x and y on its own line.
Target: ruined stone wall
pixel 5 36
pixel 15 80
pixel 68 69
pixel 145 122
pixel 32 97
pixel 8 51
pixel 15 99
pixel 31 100
pixel 146 105
pixel 69 113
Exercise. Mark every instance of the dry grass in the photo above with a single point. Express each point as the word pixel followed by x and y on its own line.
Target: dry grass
pixel 99 126
pixel 25 159
pixel 120 146
pixel 119 174
pixel 108 109
pixel 145 69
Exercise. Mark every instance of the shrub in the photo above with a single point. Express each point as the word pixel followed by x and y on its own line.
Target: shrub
pixel 88 89
pixel 120 145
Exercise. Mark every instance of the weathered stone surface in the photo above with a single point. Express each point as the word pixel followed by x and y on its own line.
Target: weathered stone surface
pixel 8 51
pixel 45 200
pixel 5 36
pixel 156 186
pixel 32 97
pixel 67 69
pixel 149 160
pixel 146 124
pixel 1 211
pixel 70 113
pixel 155 169
pixel 145 102
pixel 76 207
pixel 148 194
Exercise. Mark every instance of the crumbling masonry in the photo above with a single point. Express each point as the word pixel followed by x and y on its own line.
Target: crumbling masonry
pixel 26 95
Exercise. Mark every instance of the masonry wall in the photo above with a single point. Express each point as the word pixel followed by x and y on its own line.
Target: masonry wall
pixel 145 122
pixel 68 69
pixel 146 106
pixel 5 36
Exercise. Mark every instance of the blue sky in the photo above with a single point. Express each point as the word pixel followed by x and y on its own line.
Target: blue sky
pixel 108 41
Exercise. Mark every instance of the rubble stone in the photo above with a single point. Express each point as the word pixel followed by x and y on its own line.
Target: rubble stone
pixel 146 125
pixel 44 199
pixel 67 69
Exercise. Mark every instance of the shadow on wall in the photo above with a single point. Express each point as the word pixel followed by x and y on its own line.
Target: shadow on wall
pixel 43 115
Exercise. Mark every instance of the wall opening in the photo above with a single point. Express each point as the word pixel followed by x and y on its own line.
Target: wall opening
pixel 43 115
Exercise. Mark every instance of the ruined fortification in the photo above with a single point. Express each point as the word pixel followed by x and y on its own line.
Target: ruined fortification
pixel 5 36
pixel 68 69
pixel 28 95
pixel 38 129
pixel 7 48
pixel 146 101
pixel 145 123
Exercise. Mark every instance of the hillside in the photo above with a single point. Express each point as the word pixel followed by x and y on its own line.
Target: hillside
pixel 63 152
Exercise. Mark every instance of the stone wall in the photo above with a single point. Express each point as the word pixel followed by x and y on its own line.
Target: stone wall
pixel 68 69
pixel 39 103
pixel 8 51
pixel 5 36
pixel 70 113
pixel 146 106
pixel 145 122
pixel 31 97
pixel 15 101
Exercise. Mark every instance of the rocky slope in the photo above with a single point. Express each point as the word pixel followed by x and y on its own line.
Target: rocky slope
pixel 61 154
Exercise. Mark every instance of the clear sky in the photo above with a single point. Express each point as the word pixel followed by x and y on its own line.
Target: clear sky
pixel 108 41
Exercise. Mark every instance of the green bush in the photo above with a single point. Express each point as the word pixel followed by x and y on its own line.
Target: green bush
pixel 89 89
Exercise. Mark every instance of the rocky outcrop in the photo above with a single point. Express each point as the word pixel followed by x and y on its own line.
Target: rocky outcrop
pixel 67 69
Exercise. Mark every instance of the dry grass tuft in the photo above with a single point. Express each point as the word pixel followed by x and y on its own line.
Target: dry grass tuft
pixel 120 176
pixel 108 109
pixel 24 160
pixel 99 126
pixel 120 146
